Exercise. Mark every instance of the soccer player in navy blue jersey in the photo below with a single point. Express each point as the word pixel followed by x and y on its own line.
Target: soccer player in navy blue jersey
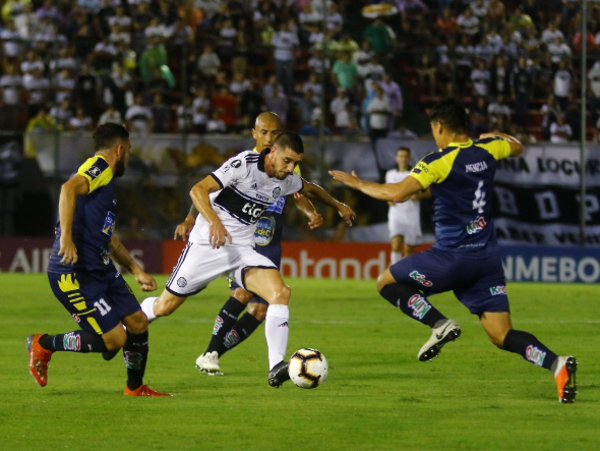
pixel 231 326
pixel 465 258
pixel 82 275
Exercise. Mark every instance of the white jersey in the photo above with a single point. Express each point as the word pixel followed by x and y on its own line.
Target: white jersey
pixel 247 191
pixel 407 212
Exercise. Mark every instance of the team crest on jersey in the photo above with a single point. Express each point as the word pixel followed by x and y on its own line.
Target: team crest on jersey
pixel 181 282
pixel 265 230
pixel 236 163
pixel 109 224
pixel 93 172
pixel 276 192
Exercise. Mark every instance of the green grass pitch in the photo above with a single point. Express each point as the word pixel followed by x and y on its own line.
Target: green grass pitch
pixel 378 395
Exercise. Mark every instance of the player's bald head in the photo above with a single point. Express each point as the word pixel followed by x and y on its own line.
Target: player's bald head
pixel 268 119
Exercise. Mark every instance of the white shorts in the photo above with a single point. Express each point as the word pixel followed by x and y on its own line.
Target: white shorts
pixel 200 264
pixel 411 232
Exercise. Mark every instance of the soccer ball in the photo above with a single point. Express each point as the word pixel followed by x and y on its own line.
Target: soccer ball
pixel 308 368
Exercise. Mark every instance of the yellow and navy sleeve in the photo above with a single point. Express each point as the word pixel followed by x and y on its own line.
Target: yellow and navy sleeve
pixel 97 171
pixel 435 167
pixel 496 147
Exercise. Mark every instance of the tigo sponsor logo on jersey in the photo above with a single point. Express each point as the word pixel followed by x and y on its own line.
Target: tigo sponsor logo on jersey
pixel 500 289
pixel 109 224
pixel 476 226
pixel 253 211
pixel 421 279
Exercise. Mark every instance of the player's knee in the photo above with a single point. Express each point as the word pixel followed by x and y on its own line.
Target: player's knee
pixel 383 280
pixel 258 310
pixel 136 323
pixel 241 295
pixel 497 339
pixel 281 295
pixel 115 339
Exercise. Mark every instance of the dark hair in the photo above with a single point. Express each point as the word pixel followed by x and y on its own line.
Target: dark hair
pixel 107 134
pixel 291 140
pixel 451 113
pixel 403 148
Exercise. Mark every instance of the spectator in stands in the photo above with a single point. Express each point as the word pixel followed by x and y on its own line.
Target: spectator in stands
pixel 315 86
pixel 11 90
pixel 215 124
pixel 464 53
pixel 201 105
pixel 227 107
pixel 372 72
pixel 498 108
pixel 522 87
pixel 559 50
pixel 153 57
pixel 38 89
pixel 426 73
pixel 313 128
pixel 446 23
pixel 139 117
pixel 544 75
pixel 111 114
pixel 496 12
pixel 306 105
pixel 339 107
pixel 317 60
pixel 560 131
pixel 103 55
pixel 379 111
pixel 64 84
pixel 251 104
pixel 468 23
pixel 345 73
pixel 401 132
pixel 562 84
pixel 549 111
pixel 346 44
pixel 362 56
pixel 593 76
pixel 209 63
pixel 26 21
pixel 185 116
pixel 80 122
pixel 41 122
pixel 480 78
pixel 499 82
pixel 551 33
pixel 161 115
pixel 379 35
pixel 284 43
pixel 278 103
pixel 239 84
pixel 392 91
pixel 12 44
pixel 519 21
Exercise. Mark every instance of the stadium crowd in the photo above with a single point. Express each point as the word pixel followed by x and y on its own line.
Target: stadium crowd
pixel 211 66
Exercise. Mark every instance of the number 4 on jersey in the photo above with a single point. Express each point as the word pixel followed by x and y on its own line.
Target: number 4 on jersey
pixel 479 201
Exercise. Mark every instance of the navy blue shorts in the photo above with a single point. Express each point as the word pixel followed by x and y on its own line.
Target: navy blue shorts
pixel 96 300
pixel 476 277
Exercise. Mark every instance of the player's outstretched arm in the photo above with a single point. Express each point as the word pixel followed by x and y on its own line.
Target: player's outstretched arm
pixel 516 148
pixel 315 192
pixel 391 192
pixel 75 186
pixel 315 219
pixel 120 255
pixel 184 229
pixel 217 233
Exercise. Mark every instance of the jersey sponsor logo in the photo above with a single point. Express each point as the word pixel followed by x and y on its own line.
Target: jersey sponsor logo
pixel 476 167
pixel 421 167
pixel 93 172
pixel 418 305
pixel 181 282
pixel 535 355
pixel 262 197
pixel 109 224
pixel 278 206
pixel 497 290
pixel 253 211
pixel 76 317
pixel 476 225
pixel 420 278
pixel 265 230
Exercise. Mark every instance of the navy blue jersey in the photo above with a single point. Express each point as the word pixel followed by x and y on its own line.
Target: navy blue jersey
pixel 461 178
pixel 93 221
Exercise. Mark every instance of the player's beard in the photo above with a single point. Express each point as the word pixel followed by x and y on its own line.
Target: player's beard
pixel 120 167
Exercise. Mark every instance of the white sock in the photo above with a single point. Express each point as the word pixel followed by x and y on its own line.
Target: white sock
pixel 148 308
pixel 277 331
pixel 396 257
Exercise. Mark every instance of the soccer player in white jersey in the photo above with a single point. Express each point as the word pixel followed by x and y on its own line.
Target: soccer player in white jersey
pixel 404 219
pixel 230 201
